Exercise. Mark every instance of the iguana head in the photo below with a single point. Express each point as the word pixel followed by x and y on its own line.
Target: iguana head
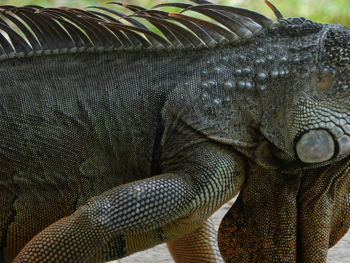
pixel 312 125
pixel 282 217
pixel 296 218
pixel 321 117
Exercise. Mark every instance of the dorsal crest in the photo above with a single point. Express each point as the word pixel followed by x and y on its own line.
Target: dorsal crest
pixel 33 30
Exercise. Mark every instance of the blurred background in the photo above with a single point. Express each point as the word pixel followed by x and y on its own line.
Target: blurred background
pixel 326 11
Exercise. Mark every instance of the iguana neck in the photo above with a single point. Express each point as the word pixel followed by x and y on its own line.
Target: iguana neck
pixel 240 93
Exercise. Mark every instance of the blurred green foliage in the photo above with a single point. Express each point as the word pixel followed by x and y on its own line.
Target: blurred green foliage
pixel 326 11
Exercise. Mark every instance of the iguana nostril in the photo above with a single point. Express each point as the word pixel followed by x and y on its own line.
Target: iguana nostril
pixel 315 146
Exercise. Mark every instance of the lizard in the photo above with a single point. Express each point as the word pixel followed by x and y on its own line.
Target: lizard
pixel 115 137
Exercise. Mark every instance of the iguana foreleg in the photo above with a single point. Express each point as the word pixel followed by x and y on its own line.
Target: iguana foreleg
pixel 141 214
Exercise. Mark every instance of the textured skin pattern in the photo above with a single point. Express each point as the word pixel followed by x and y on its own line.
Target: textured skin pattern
pixel 312 211
pixel 103 154
pixel 46 142
pixel 305 207
pixel 255 238
pixel 198 246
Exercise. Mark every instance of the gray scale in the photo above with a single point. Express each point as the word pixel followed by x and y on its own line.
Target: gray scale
pixel 217 101
pixel 212 84
pixel 344 144
pixel 296 60
pixel 270 58
pixel 229 85
pixel 330 125
pixel 241 84
pixel 346 128
pixel 342 122
pixel 249 85
pixel 324 118
pixel 205 95
pixel 260 50
pixel 247 71
pixel 274 74
pixel 339 115
pixel 217 70
pixel 261 76
pixel 284 60
pixel 262 87
pixel 205 85
pixel 335 120
pixel 238 72
pixel 260 61
pixel 282 73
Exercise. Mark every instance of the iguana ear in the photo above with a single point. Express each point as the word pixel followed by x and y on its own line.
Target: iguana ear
pixel 279 218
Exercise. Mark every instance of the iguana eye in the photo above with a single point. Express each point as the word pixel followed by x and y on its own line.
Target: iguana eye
pixel 315 146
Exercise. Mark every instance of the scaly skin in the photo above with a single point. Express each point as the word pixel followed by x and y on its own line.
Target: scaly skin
pixel 306 208
pixel 106 150
pixel 311 212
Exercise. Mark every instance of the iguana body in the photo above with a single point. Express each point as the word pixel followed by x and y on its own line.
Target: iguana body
pixel 119 144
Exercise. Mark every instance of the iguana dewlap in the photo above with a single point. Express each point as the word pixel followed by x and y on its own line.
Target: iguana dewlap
pixel 115 138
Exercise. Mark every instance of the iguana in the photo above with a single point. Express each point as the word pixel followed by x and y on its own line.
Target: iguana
pixel 116 137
